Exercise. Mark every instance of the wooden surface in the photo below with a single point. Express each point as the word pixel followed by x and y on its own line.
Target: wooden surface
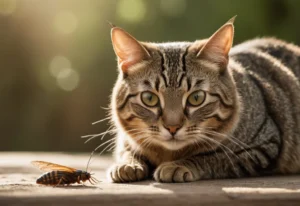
pixel 18 187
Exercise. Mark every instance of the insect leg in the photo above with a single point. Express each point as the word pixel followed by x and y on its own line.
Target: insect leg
pixel 60 181
pixel 91 182
pixel 95 180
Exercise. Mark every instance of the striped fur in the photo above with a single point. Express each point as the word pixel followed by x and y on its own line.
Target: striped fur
pixel 248 124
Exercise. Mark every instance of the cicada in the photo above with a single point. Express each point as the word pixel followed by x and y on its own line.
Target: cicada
pixel 61 175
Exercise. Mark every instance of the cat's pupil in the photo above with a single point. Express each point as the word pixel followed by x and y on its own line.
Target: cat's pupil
pixel 149 97
pixel 196 97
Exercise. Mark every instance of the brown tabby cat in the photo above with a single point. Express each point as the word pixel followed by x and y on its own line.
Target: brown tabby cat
pixel 187 111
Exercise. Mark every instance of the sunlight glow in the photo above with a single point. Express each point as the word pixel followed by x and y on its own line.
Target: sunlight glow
pixel 7 7
pixel 258 190
pixel 65 22
pixel 173 8
pixel 58 64
pixel 133 11
pixel 68 79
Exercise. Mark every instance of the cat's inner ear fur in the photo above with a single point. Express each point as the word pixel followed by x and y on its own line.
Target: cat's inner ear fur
pixel 128 50
pixel 217 47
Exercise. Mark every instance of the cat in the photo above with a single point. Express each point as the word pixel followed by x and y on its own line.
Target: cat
pixel 188 111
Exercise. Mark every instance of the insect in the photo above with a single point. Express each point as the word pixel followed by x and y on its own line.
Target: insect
pixel 61 175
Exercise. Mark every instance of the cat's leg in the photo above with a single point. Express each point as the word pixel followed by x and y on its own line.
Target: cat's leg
pixel 250 162
pixel 128 169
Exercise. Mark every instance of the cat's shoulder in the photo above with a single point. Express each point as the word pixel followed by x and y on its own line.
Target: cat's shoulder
pixel 266 44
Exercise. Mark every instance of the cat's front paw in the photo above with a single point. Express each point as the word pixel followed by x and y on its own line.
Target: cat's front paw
pixel 121 173
pixel 174 172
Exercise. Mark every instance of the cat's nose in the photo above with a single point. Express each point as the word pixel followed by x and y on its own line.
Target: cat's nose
pixel 172 128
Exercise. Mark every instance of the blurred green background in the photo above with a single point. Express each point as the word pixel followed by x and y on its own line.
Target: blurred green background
pixel 58 67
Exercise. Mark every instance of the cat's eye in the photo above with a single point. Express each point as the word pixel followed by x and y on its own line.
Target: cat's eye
pixel 149 99
pixel 196 98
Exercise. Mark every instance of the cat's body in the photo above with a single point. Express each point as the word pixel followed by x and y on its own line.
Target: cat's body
pixel 190 111
pixel 273 68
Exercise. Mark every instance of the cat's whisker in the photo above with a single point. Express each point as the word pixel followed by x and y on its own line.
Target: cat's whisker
pixel 101 120
pixel 245 150
pixel 209 132
pixel 97 135
pixel 104 143
pixel 139 131
pixel 110 144
pixel 102 136
pixel 148 142
pixel 217 142
pixel 205 144
pixel 106 108
pixel 212 148
pixel 201 133
pixel 222 147
pixel 230 138
pixel 198 144
pixel 222 135
pixel 114 146
pixel 141 145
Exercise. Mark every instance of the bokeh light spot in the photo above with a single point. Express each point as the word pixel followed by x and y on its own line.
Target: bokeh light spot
pixel 58 64
pixel 173 8
pixel 7 7
pixel 65 22
pixel 68 79
pixel 131 10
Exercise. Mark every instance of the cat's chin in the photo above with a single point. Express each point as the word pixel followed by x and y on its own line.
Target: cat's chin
pixel 174 144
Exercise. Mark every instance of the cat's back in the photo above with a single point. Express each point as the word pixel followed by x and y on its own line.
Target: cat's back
pixel 273 66
pixel 274 50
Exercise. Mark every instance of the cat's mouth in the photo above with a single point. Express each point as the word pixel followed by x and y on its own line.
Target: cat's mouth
pixel 173 143
pixel 174 139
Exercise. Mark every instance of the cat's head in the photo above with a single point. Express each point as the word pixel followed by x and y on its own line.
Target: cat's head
pixel 175 94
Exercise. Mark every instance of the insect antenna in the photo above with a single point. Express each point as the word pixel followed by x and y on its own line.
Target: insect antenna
pixel 89 160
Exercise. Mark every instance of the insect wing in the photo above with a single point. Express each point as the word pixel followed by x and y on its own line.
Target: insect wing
pixel 48 166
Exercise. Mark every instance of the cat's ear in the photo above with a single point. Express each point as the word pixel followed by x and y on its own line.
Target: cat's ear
pixel 217 47
pixel 128 50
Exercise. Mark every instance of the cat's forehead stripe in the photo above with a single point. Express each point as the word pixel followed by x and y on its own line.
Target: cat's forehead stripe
pixel 163 69
pixel 173 63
